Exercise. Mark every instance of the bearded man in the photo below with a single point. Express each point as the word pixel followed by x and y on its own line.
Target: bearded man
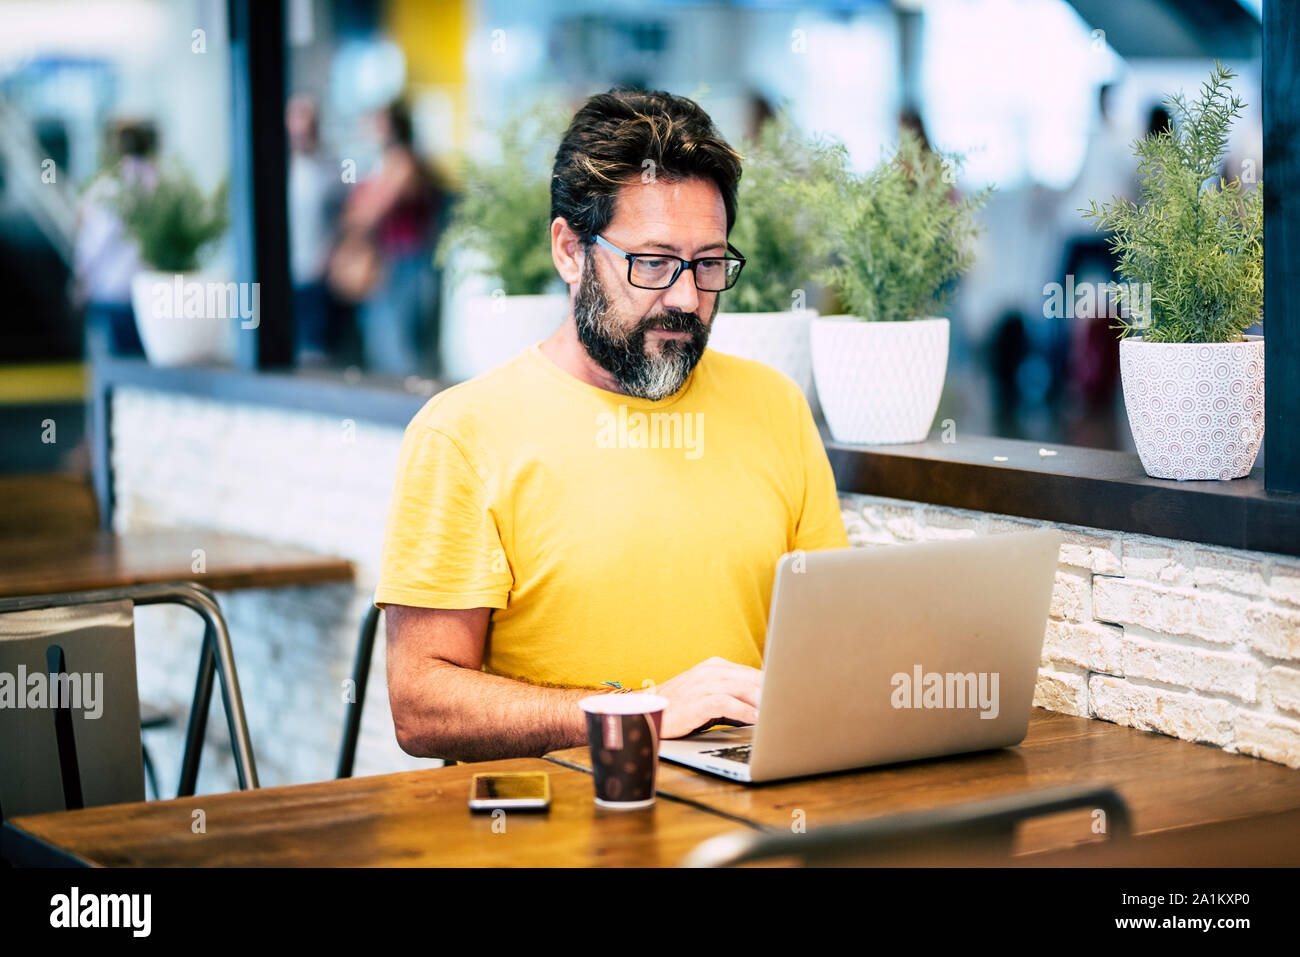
pixel 607 508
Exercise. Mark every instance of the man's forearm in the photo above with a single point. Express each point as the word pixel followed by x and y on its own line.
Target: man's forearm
pixel 467 715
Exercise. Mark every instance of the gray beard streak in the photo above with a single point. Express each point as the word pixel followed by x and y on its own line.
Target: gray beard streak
pixel 660 376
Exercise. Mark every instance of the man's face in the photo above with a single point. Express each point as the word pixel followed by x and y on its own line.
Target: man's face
pixel 649 340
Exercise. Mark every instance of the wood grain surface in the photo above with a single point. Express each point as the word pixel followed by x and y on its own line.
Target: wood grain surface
pixel 1166 782
pixel 415 818
pixel 80 562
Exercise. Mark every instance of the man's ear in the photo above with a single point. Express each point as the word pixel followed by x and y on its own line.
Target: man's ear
pixel 567 250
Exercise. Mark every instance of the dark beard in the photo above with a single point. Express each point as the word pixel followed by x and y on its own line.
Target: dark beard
pixel 622 354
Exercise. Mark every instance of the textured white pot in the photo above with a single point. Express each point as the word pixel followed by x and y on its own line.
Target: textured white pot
pixel 879 382
pixel 779 339
pixel 169 336
pixel 492 329
pixel 1196 409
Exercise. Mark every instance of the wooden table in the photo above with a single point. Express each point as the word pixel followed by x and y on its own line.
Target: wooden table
pixel 1190 805
pixel 82 562
pixel 415 818
pixel 1166 783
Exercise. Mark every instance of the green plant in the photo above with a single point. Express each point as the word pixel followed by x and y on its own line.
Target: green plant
pixel 898 237
pixel 172 220
pixel 776 232
pixel 503 210
pixel 1196 239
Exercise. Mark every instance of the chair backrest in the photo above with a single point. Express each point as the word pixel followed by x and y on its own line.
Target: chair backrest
pixel 980 832
pixel 69 708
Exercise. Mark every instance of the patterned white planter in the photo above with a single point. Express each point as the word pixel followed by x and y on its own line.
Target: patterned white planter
pixel 879 382
pixel 169 336
pixel 779 339
pixel 1196 409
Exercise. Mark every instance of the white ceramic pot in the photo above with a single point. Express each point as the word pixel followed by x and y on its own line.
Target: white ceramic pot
pixel 879 382
pixel 187 318
pixel 491 329
pixel 1196 409
pixel 778 339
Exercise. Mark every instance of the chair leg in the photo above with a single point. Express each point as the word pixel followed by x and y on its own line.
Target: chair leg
pixel 231 699
pixel 149 774
pixel 360 675
pixel 198 724
pixel 216 655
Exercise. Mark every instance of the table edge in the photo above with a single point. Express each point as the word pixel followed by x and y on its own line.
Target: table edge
pixel 23 849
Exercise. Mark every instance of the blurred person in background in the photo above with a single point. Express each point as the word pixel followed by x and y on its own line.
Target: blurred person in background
pixel 909 119
pixel 1084 348
pixel 384 259
pixel 1159 120
pixel 105 257
pixel 315 201
pixel 1087 355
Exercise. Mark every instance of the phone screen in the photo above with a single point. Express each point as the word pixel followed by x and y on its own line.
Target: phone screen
pixel 511 787
pixel 523 790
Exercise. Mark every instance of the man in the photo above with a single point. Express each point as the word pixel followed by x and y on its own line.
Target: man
pixel 608 507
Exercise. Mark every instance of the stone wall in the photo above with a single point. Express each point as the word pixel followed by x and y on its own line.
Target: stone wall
pixel 1196 642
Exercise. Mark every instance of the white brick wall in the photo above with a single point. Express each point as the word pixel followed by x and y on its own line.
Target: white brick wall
pixel 1196 642
pixel 1202 643
pixel 299 478
pixel 312 480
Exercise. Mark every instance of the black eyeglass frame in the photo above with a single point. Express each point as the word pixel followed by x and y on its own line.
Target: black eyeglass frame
pixel 682 265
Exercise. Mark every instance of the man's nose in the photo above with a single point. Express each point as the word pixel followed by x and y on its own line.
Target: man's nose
pixel 682 295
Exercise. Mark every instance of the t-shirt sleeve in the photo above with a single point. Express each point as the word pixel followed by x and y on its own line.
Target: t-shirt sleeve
pixel 820 523
pixel 442 548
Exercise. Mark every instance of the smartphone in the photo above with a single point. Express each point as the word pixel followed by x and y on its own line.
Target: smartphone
pixel 511 791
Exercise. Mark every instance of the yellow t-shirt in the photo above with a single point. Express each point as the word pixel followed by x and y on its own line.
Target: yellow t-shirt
pixel 617 538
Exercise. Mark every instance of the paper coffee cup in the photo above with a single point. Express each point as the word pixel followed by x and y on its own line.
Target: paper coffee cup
pixel 623 731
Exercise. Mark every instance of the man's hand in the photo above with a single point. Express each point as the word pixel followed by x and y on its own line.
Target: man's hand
pixel 714 690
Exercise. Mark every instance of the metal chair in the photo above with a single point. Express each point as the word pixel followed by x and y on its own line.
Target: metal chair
pixel 360 675
pixel 99 760
pixel 982 830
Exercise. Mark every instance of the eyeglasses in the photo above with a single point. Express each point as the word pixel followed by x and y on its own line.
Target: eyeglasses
pixel 659 270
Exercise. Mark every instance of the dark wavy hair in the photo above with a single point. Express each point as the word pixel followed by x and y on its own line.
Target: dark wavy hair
pixel 609 140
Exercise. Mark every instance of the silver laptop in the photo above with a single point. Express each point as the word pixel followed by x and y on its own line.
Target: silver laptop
pixel 878 655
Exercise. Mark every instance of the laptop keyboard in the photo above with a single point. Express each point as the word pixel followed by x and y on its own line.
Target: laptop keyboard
pixel 738 753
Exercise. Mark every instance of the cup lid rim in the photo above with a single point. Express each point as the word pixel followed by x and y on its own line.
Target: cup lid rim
pixel 632 702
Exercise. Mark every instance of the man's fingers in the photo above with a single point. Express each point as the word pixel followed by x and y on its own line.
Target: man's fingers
pixel 743 686
pixel 730 707
pixel 714 690
pixel 706 710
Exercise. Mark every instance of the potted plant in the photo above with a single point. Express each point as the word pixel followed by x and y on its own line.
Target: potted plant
pixel 899 240
pixel 175 224
pixel 1192 260
pixel 767 318
pixel 498 240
